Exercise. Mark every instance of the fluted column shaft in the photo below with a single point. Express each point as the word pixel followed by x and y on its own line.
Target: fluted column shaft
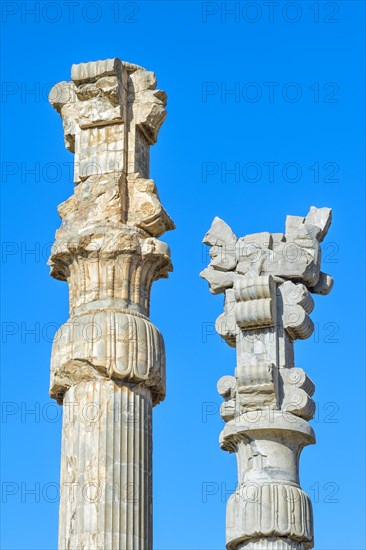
pixel 106 478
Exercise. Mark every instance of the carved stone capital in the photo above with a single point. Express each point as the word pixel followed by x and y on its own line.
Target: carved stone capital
pixel 294 255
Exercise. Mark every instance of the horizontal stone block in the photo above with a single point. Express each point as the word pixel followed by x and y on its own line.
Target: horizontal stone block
pixel 84 72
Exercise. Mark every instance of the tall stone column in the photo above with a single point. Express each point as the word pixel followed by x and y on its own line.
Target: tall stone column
pixel 108 359
pixel 267 280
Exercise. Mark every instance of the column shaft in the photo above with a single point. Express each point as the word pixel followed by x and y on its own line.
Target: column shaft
pixel 106 481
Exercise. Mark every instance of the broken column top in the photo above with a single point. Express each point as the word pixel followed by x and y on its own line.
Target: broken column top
pixel 294 255
pixel 111 112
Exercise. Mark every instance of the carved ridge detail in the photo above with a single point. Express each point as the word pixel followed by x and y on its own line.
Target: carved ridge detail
pixel 269 510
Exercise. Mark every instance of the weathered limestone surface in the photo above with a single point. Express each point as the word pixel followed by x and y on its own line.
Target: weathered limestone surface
pixel 267 280
pixel 108 359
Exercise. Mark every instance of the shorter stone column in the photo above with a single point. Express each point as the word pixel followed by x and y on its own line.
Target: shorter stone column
pixel 267 280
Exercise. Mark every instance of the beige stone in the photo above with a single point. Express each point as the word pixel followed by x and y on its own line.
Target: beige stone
pixel 108 359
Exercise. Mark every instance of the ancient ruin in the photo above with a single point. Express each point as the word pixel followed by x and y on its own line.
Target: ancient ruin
pixel 267 280
pixel 108 360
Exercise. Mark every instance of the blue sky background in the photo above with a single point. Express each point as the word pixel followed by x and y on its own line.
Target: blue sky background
pixel 319 48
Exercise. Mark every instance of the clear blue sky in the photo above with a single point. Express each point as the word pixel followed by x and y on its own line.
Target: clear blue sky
pixel 297 109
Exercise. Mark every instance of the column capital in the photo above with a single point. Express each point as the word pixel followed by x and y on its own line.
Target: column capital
pixel 108 247
pixel 251 270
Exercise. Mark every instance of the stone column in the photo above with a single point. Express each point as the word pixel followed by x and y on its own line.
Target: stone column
pixel 108 359
pixel 267 280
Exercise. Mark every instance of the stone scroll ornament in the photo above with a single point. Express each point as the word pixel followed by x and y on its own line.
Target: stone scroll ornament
pixel 267 280
pixel 108 359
